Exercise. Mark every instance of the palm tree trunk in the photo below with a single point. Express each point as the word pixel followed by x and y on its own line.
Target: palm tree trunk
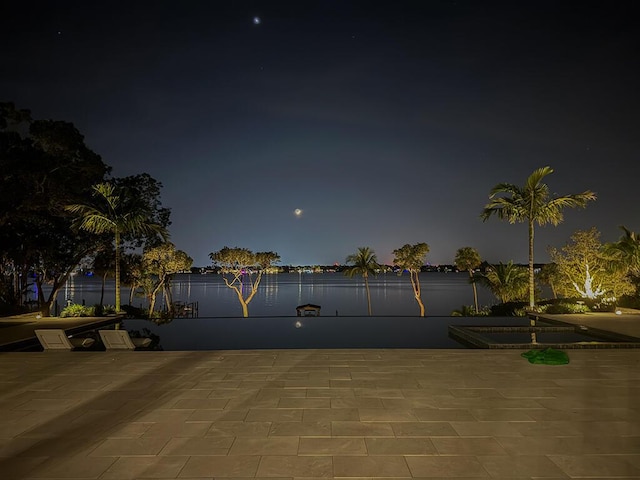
pixel 117 270
pixel 475 290
pixel 532 299
pixel 104 280
pixel 366 286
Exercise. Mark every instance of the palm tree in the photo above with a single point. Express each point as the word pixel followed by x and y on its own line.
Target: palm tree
pixel 507 281
pixel 468 258
pixel 412 258
pixel 364 263
pixel 116 213
pixel 531 204
pixel 625 253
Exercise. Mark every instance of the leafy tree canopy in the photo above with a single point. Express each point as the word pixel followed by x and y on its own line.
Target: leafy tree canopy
pixel 411 257
pixel 44 165
pixel 584 270
pixel 237 265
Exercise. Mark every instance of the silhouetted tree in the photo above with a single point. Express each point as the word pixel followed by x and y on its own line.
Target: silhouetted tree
pixel 364 263
pixel 44 165
pixel 468 259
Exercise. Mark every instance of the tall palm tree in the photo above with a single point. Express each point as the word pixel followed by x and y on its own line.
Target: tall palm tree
pixel 364 263
pixel 531 204
pixel 116 213
pixel 468 258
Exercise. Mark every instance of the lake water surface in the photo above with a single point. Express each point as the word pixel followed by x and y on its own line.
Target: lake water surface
pixel 280 294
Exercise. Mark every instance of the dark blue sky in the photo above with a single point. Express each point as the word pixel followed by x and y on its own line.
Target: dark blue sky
pixel 385 122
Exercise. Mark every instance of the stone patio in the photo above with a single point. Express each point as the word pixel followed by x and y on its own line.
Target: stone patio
pixel 318 414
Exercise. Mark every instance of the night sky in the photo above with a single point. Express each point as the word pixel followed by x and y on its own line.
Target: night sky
pixel 385 122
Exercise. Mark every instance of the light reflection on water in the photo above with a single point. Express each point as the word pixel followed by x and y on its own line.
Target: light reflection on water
pixel 278 295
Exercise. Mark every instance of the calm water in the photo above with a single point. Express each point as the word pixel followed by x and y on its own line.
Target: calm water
pixel 279 295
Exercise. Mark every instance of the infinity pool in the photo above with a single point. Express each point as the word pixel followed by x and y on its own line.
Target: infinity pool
pixel 309 332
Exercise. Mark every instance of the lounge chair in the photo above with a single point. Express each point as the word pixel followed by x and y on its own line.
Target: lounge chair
pixel 120 340
pixel 56 339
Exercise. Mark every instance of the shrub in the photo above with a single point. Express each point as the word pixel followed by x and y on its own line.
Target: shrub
pixel 469 311
pixel 108 309
pixel 509 309
pixel 76 310
pixel 566 307
pixel 133 312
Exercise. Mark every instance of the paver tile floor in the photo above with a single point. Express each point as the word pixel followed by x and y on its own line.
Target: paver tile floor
pixel 318 414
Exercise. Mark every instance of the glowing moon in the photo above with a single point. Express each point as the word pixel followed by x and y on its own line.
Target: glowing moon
pixel 297 212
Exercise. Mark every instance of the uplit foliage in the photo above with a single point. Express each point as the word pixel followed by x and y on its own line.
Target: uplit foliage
pixel 531 204
pixel 364 263
pixel 238 266
pixel 76 310
pixel 564 308
pixel 159 264
pixel 584 269
pixel 411 258
pixel 468 259
pixel 507 281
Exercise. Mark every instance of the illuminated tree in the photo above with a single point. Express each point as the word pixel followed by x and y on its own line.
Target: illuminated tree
pixel 584 269
pixel 237 267
pixel 364 263
pixel 412 258
pixel 468 259
pixel 160 263
pixel 531 204
pixel 117 212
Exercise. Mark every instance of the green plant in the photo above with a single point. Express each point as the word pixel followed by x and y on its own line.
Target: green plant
pixel 76 310
pixel 470 311
pixel 108 309
pixel 566 307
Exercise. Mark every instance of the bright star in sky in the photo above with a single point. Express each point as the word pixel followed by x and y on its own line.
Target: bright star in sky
pixel 257 21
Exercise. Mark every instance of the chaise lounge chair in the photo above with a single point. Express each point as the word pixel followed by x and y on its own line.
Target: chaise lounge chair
pixel 56 339
pixel 120 340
